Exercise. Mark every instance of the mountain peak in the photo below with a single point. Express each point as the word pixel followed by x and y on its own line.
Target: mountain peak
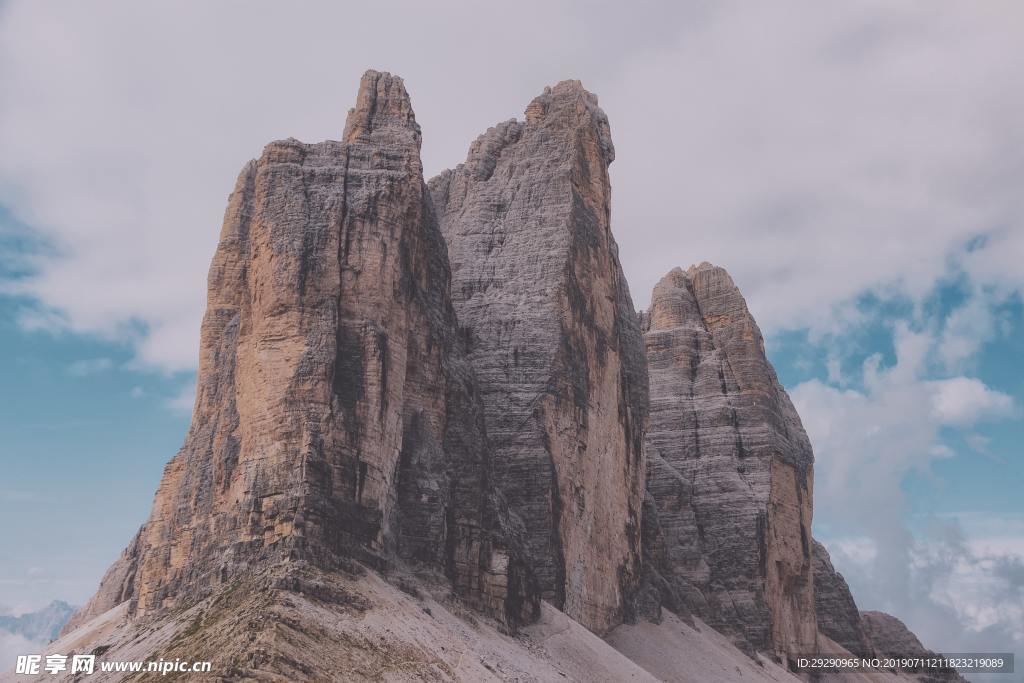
pixel 723 424
pixel 381 104
pixel 569 105
pixel 539 290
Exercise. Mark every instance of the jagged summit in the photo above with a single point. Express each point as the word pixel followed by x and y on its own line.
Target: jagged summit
pixel 675 301
pixel 569 104
pixel 703 265
pixel 729 468
pixel 383 108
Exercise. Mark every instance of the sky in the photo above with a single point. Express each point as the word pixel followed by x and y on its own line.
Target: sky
pixel 856 167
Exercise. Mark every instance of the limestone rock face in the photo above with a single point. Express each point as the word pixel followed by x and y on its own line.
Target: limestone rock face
pixel 336 416
pixel 837 613
pixel 730 468
pixel 551 332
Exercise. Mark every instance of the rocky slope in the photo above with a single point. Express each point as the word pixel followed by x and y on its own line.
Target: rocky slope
pixel 360 628
pixel 335 415
pixel 729 469
pixel 546 314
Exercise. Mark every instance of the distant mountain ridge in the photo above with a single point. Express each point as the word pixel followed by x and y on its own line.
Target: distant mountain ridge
pixel 43 625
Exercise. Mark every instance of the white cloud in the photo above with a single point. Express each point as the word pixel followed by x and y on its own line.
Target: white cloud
pixel 962 591
pixel 854 551
pixel 816 151
pixel 965 400
pixel 942 578
pixel 966 330
pixel 835 371
pixel 184 400
pixel 820 151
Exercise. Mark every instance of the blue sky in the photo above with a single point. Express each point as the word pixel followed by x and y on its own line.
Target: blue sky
pixel 85 438
pixel 855 167
pixel 969 480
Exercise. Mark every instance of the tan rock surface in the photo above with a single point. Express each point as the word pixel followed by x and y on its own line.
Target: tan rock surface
pixel 335 416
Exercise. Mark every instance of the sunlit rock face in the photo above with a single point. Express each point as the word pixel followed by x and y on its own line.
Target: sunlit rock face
pixel 551 332
pixel 730 469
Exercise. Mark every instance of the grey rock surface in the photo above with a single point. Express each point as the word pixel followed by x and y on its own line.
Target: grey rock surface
pixel 837 613
pixel 545 312
pixel 730 469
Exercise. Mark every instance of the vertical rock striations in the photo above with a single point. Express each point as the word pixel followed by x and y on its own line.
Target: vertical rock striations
pixel 551 332
pixel 836 612
pixel 729 468
pixel 335 414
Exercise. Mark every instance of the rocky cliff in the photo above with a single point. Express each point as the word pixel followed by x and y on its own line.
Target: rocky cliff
pixel 837 613
pixel 336 417
pixel 730 469
pixel 420 410
pixel 546 315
